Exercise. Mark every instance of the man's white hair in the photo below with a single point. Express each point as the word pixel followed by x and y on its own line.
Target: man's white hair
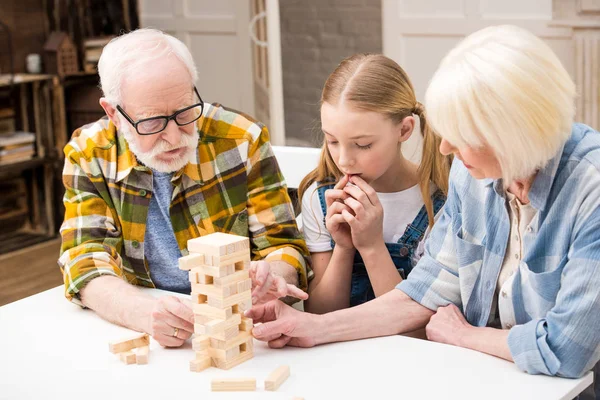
pixel 505 88
pixel 134 52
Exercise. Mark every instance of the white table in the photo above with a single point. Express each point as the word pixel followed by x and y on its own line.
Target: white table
pixel 52 349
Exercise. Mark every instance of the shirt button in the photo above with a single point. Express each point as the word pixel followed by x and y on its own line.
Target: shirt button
pixel 143 193
pixel 517 238
pixel 529 229
pixel 504 294
pixel 511 273
pixel 404 252
pixel 517 256
pixel 135 244
pixel 508 326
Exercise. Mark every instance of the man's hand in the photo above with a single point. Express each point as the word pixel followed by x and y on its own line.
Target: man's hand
pixel 267 286
pixel 282 325
pixel 171 321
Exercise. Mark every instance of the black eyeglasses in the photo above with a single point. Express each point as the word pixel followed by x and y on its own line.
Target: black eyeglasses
pixel 153 125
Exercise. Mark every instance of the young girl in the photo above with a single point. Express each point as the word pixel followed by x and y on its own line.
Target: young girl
pixel 366 208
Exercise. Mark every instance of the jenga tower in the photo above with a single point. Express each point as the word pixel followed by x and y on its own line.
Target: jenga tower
pixel 221 290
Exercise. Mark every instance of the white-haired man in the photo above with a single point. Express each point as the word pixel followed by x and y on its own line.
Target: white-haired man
pixel 165 167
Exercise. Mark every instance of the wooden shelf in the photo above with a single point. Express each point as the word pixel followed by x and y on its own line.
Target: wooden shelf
pixel 22 165
pixel 20 239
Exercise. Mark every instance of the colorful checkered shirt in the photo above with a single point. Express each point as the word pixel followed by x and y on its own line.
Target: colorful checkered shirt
pixel 234 185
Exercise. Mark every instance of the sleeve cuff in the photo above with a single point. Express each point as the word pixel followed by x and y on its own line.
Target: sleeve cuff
pixel 529 348
pixel 295 259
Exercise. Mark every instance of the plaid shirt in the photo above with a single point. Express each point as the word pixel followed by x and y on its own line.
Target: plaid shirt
pixel 555 292
pixel 234 185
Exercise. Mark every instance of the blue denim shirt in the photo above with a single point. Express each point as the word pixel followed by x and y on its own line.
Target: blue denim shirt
pixel 556 289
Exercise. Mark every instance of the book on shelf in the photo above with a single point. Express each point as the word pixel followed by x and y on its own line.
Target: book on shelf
pixel 16 146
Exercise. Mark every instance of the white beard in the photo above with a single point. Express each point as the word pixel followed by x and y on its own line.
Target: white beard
pixel 149 159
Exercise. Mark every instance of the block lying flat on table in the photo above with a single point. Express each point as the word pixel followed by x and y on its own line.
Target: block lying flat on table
pixel 200 364
pixel 141 355
pixel 209 311
pixel 233 384
pixel 277 377
pixel 121 346
pixel 219 244
pixel 191 261
pixel 128 357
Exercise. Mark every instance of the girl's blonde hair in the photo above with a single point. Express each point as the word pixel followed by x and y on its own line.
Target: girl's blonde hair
pixel 373 82
pixel 505 88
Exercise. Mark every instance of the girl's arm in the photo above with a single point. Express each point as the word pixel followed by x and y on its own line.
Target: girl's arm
pixel 330 288
pixel 381 269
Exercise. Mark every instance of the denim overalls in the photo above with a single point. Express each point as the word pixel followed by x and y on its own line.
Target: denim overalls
pixel 401 252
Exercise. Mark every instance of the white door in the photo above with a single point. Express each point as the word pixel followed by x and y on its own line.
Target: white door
pixel 266 56
pixel 418 33
pixel 216 32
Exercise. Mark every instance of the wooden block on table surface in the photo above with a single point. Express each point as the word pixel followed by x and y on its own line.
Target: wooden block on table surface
pixel 246 324
pixel 218 244
pixel 141 355
pixel 277 377
pixel 244 356
pixel 229 301
pixel 227 334
pixel 201 364
pixel 233 384
pixel 191 261
pixel 120 346
pixel 128 357
pixel 210 311
pixel 217 325
pixel 241 337
pixel 237 276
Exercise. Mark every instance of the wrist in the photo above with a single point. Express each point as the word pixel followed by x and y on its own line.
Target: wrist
pixel 373 250
pixel 321 333
pixel 350 251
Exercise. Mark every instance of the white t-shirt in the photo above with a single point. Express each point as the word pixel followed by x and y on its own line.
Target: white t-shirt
pixel 399 210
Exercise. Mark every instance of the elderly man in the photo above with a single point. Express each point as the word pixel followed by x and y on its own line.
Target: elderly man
pixel 165 167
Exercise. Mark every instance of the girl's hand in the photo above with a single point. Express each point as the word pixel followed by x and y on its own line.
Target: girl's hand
pixel 365 216
pixel 334 221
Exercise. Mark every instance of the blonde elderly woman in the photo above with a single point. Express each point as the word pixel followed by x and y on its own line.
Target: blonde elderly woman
pixel 512 267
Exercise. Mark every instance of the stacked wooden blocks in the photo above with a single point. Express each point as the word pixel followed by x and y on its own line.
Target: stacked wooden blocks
pixel 134 350
pixel 218 265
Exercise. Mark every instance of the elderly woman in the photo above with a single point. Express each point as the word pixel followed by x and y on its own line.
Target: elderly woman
pixel 512 267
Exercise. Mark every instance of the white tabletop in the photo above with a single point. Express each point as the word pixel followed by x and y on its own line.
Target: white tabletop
pixel 50 348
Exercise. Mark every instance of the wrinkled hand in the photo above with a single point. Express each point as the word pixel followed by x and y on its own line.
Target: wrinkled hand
pixel 448 325
pixel 365 214
pixel 336 225
pixel 169 316
pixel 282 325
pixel 267 286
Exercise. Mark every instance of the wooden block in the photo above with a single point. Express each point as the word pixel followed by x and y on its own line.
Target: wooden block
pixel 240 308
pixel 128 357
pixel 201 364
pixel 237 276
pixel 141 355
pixel 212 290
pixel 209 311
pixel 246 324
pixel 277 377
pixel 233 384
pixel 227 334
pixel 244 285
pixel 217 325
pixel 244 356
pixel 197 275
pixel 218 244
pixel 223 355
pixel 218 272
pixel 200 343
pixel 191 261
pixel 241 337
pixel 193 277
pixel 240 260
pixel 229 301
pixel 121 346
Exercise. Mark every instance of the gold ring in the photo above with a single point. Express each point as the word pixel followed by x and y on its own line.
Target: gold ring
pixel 175 332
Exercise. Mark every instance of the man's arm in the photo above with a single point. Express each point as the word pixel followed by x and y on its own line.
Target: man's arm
pixel 272 224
